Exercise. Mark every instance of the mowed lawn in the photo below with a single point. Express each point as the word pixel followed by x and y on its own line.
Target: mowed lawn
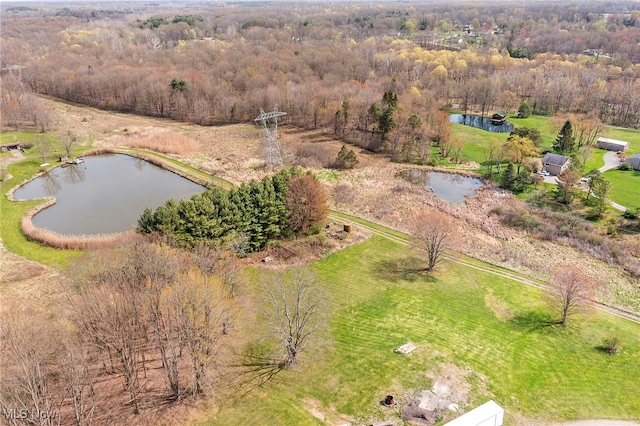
pixel 11 213
pixel 489 326
pixel 625 186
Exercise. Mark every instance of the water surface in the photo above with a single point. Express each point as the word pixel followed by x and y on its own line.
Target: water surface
pixel 451 187
pixel 105 194
pixel 479 122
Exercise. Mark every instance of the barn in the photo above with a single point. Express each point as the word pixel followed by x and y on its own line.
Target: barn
pixel 612 144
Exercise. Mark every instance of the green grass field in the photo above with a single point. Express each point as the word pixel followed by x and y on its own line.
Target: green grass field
pixel 485 324
pixel 625 187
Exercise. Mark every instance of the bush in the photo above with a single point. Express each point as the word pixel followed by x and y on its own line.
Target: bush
pixel 312 155
pixel 624 166
pixel 344 193
pixel 610 345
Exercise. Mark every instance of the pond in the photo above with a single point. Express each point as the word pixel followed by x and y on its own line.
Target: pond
pixel 484 123
pixel 104 194
pixel 448 186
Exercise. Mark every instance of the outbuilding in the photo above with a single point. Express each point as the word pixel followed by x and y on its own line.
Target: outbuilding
pixel 612 144
pixel 555 164
pixel 488 414
pixel 10 146
pixel 634 161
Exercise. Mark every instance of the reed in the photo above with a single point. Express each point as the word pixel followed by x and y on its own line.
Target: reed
pixel 70 242
pixel 168 142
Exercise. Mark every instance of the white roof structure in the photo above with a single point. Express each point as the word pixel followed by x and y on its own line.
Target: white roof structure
pixel 613 143
pixel 488 414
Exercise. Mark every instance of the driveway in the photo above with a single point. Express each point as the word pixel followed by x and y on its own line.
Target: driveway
pixel 611 161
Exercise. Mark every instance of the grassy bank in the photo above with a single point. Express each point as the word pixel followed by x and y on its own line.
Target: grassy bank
pixel 490 327
pixel 11 214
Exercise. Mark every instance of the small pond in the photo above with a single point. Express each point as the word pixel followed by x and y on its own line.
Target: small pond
pixel 483 123
pixel 105 194
pixel 448 186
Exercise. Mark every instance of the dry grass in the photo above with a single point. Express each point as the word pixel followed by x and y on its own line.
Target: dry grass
pixel 167 142
pixel 69 242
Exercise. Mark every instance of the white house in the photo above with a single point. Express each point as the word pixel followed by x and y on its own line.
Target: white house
pixel 612 144
pixel 488 414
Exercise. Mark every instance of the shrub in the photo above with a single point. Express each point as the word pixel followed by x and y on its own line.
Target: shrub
pixel 312 155
pixel 624 166
pixel 344 193
pixel 610 345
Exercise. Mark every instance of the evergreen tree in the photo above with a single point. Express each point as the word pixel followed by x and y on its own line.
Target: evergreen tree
pixel 346 159
pixel 508 178
pixel 525 110
pixel 565 142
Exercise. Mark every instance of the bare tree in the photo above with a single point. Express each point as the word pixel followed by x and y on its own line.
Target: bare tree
pixel 44 146
pixel 570 291
pixel 196 307
pixel 68 142
pixel 27 393
pixel 432 232
pixel 78 381
pixel 294 312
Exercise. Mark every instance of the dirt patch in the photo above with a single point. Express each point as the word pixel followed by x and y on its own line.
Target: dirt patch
pixel 26 285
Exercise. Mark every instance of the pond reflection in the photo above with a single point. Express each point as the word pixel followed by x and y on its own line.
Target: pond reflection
pixel 105 194
pixel 483 123
pixel 448 186
pixel 50 183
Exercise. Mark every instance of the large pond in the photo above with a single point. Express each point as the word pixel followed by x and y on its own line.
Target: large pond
pixel 483 123
pixel 451 187
pixel 105 194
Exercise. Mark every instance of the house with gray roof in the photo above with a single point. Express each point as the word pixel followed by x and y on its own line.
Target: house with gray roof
pixel 555 164
pixel 634 160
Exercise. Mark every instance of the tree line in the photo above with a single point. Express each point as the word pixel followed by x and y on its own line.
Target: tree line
pixel 229 64
pixel 277 207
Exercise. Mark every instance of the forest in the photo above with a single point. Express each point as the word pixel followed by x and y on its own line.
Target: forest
pixel 221 64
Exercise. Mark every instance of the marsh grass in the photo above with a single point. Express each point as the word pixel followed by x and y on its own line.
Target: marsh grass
pixel 69 242
pixel 168 142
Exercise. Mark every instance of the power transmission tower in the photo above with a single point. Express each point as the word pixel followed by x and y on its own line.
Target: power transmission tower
pixel 10 68
pixel 270 145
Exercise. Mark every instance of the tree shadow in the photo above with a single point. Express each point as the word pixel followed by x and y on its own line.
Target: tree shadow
pixel 408 269
pixel 534 320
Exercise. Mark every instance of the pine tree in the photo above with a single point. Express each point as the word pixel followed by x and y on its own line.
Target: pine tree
pixel 565 142
pixel 508 177
pixel 346 158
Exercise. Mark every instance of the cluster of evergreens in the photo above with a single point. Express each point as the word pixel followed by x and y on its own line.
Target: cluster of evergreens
pixel 248 216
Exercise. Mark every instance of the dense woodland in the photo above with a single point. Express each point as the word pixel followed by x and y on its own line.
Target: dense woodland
pixel 326 65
